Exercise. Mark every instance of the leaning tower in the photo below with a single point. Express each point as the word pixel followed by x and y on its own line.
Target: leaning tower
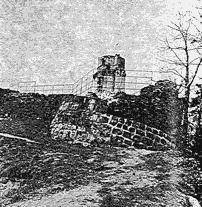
pixel 110 74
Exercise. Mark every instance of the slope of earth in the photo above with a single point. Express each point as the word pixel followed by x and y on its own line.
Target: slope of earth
pixel 58 175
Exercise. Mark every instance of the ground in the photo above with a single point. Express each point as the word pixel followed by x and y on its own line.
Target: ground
pixel 59 175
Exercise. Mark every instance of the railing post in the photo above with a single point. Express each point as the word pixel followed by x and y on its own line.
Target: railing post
pixel 72 87
pixel 18 87
pixel 81 85
pixel 52 90
pixel 87 84
pixel 62 88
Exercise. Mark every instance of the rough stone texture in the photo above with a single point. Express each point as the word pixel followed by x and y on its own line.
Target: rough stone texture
pixel 82 117
pixel 28 114
pixel 80 120
pixel 157 106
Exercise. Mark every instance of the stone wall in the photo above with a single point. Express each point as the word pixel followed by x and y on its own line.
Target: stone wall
pixel 28 114
pixel 79 120
pixel 157 106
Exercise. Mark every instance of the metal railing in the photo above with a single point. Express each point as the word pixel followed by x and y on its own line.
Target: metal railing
pixel 48 89
pixel 85 84
pixel 134 81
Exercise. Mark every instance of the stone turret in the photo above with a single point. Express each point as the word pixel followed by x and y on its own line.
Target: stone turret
pixel 110 75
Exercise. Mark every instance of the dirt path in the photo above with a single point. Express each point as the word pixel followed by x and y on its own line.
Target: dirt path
pixel 139 178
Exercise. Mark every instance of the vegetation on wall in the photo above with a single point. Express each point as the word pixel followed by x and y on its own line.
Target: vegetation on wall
pixel 157 106
pixel 30 113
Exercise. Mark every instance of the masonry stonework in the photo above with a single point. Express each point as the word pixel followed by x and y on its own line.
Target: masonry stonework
pixel 77 124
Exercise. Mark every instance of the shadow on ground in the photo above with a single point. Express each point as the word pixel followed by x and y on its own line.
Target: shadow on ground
pixel 57 174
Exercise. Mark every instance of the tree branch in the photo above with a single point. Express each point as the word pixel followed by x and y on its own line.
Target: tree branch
pixel 198 52
pixel 178 57
pixel 171 62
pixel 193 60
pixel 174 71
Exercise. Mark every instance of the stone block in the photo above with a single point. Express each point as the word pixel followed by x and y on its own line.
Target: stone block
pixel 64 106
pixel 172 146
pixel 158 146
pixel 135 142
pixel 163 141
pixel 66 131
pixel 94 117
pixel 136 137
pixel 59 126
pixel 147 141
pixel 107 140
pixel 125 120
pixel 161 133
pixel 128 142
pixel 66 118
pixel 123 145
pixel 104 119
pixel 65 125
pixel 167 137
pixel 128 122
pixel 91 138
pixel 164 135
pixel 74 127
pixel 125 127
pixel 119 125
pixel 140 132
pixel 82 129
pixel 119 139
pixel 117 131
pixel 149 129
pixel 172 140
pixel 150 142
pixel 79 133
pixel 73 134
pixel 127 134
pixel 113 122
pixel 115 118
pixel 112 138
pixel 149 147
pixel 142 126
pixel 121 120
pixel 132 129
pixel 157 139
pixel 136 124
pixel 95 130
pixel 131 147
pixel 74 106
pixel 107 127
pixel 102 134
pixel 63 136
pixel 156 131
pixel 140 145
pixel 69 126
pixel 150 135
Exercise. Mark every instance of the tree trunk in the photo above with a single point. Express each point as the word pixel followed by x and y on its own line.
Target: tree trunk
pixel 186 115
pixel 200 109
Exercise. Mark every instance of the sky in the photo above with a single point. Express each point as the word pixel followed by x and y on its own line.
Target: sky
pixel 58 41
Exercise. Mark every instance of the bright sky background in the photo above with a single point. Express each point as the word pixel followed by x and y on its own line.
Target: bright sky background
pixel 44 41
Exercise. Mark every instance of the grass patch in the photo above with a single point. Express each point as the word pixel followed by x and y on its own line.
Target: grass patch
pixel 54 167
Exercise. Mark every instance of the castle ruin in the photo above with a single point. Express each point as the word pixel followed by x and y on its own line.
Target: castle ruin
pixel 110 75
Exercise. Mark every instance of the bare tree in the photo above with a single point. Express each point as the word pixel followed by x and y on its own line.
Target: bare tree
pixel 183 57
